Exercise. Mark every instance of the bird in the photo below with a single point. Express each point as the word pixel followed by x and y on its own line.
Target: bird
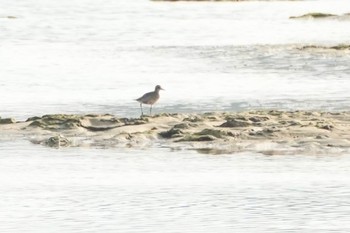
pixel 150 98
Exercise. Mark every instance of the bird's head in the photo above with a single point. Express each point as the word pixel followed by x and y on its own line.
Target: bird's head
pixel 158 88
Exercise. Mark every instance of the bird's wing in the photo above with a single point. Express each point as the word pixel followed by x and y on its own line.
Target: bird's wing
pixel 145 97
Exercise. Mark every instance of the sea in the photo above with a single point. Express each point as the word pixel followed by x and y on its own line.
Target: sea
pixel 98 56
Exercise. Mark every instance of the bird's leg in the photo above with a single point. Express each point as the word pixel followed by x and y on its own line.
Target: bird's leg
pixel 141 109
pixel 150 111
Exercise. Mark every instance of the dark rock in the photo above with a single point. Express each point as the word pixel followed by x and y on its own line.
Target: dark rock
pixel 213 151
pixel 193 119
pixel 235 123
pixel 4 121
pixel 99 128
pixel 213 132
pixel 91 115
pixel 275 113
pixel 57 121
pixel 258 119
pixel 314 15
pixel 182 126
pixel 172 133
pixel 327 127
pixel 197 138
pixel 290 123
pixel 200 0
pixel 212 116
pixel 134 121
pixel 33 118
pixel 267 132
pixel 99 115
pixel 339 47
pixel 162 115
pixel 322 137
pixel 111 120
pixel 57 141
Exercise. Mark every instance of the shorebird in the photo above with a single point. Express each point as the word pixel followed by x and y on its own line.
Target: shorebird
pixel 149 98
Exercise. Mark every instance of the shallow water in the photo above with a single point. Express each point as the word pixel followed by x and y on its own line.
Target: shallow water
pixel 84 56
pixel 155 190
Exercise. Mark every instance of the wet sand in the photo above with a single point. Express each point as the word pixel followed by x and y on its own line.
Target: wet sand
pixel 264 131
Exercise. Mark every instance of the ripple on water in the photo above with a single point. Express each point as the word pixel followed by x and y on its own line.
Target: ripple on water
pixel 90 190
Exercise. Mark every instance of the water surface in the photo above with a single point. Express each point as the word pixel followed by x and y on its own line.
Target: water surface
pixel 84 56
pixel 94 56
pixel 155 190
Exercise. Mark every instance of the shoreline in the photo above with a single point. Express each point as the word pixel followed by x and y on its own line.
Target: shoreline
pixel 263 131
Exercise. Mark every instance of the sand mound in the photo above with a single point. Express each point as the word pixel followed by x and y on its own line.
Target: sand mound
pixel 268 132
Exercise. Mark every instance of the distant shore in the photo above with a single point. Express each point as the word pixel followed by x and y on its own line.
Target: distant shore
pixel 219 0
pixel 224 0
pixel 263 131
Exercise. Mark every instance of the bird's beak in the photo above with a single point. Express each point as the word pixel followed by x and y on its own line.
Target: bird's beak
pixel 162 89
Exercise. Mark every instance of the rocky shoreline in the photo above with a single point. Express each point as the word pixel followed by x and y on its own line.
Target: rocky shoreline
pixel 339 47
pixel 263 131
pixel 320 15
